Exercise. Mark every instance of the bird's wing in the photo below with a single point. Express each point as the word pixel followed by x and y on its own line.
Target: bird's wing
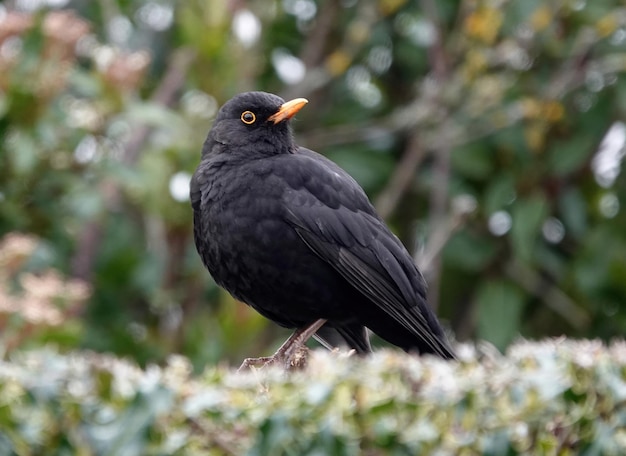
pixel 195 191
pixel 333 216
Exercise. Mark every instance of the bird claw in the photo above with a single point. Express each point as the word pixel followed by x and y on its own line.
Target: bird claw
pixel 253 362
pixel 292 354
pixel 294 358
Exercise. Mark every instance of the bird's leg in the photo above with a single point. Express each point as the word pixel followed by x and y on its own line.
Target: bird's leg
pixel 288 348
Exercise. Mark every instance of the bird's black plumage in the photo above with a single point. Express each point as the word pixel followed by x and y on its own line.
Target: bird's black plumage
pixel 290 233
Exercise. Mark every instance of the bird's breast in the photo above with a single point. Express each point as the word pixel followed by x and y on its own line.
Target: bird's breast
pixel 244 232
pixel 241 223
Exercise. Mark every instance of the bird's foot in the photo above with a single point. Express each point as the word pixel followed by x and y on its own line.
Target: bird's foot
pixel 254 362
pixel 292 354
pixel 294 358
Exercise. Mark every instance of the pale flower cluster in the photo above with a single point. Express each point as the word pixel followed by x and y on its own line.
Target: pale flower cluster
pixel 44 298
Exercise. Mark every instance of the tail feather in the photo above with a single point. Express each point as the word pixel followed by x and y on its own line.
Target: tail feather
pixel 395 333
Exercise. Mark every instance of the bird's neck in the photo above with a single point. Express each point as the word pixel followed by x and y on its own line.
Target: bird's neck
pixel 261 147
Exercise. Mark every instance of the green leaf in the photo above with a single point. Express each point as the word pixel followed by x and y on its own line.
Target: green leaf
pixel 128 432
pixel 84 203
pixel 528 215
pixel 84 83
pixel 568 156
pixel 500 306
pixel 4 106
pixel 370 169
pixel 500 192
pixel 23 150
pixel 475 161
pixel 155 115
pixel 573 209
pixel 468 252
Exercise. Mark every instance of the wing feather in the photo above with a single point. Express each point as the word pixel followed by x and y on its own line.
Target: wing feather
pixel 351 238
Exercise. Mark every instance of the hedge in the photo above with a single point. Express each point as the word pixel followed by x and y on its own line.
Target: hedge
pixel 550 397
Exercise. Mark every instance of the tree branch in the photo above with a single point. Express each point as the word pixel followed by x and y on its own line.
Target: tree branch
pixel 549 293
pixel 441 171
pixel 401 179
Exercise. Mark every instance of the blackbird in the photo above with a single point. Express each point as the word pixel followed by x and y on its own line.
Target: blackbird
pixel 288 232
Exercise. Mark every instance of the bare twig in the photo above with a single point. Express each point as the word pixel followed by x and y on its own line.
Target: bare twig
pixel 401 178
pixel 418 113
pixel 549 293
pixel 314 49
pixel 572 72
pixel 314 53
pixel 437 241
pixel 440 181
pixel 345 52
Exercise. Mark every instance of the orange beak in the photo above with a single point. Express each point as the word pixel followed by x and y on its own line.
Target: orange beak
pixel 288 110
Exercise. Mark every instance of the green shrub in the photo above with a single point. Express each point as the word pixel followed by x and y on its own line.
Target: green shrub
pixel 550 397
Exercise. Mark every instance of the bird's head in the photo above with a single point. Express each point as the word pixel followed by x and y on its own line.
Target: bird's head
pixel 254 123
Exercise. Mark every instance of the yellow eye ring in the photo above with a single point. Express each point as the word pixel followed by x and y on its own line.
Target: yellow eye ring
pixel 248 117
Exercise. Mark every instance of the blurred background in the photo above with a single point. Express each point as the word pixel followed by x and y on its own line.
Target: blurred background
pixel 489 134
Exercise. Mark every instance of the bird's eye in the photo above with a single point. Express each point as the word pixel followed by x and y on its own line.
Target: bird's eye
pixel 248 117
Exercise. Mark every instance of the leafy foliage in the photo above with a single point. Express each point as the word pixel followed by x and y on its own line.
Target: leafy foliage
pixel 554 397
pixel 489 133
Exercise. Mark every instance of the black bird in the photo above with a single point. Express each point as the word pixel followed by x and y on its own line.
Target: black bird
pixel 288 232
